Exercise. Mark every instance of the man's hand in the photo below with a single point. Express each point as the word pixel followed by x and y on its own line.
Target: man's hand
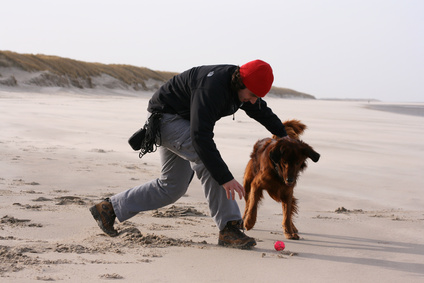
pixel 232 187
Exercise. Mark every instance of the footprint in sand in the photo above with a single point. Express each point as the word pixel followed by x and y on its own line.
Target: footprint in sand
pixel 12 221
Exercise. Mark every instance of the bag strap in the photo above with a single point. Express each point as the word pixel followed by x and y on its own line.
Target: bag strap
pixel 152 138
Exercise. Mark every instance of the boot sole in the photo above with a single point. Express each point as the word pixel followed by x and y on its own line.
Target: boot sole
pixel 246 246
pixel 98 218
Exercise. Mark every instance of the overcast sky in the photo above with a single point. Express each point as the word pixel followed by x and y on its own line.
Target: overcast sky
pixel 326 48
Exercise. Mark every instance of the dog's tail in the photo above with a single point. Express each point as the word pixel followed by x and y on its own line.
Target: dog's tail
pixel 294 128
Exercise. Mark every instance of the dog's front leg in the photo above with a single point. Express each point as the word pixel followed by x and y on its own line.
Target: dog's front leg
pixel 287 220
pixel 251 209
pixel 293 212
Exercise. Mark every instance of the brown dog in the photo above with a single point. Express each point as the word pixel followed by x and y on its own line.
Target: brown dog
pixel 274 166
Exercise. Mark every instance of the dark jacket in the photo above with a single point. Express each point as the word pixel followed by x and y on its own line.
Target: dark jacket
pixel 203 95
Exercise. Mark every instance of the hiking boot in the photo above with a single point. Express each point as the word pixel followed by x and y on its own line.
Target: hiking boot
pixel 105 216
pixel 233 236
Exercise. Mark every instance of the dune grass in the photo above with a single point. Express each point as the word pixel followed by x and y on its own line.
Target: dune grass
pixel 289 93
pixel 78 69
pixel 65 72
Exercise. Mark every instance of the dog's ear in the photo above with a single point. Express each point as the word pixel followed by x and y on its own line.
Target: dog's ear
pixel 275 155
pixel 312 154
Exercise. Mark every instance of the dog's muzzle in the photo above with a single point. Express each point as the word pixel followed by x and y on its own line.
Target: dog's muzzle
pixel 289 181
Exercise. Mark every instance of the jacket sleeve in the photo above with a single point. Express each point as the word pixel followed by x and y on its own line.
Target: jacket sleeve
pixel 264 115
pixel 204 113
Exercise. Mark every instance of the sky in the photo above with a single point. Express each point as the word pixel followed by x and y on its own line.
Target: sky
pixel 355 49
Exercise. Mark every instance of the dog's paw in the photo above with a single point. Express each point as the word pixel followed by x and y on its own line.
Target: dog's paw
pixel 291 236
pixel 248 223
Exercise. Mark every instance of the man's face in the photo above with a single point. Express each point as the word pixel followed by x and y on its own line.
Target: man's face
pixel 245 95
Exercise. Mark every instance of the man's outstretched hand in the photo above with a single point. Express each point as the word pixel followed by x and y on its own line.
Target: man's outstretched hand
pixel 232 187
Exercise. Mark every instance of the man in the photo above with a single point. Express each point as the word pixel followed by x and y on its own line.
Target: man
pixel 191 103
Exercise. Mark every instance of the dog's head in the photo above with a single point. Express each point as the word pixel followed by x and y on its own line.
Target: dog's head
pixel 289 158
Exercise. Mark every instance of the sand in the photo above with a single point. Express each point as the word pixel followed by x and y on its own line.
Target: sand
pixel 361 207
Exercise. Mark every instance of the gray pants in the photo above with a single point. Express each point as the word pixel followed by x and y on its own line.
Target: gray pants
pixel 179 162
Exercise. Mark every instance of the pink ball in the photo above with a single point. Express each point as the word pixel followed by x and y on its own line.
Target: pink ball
pixel 279 246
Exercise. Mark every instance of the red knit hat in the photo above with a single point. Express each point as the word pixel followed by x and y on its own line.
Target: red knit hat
pixel 257 77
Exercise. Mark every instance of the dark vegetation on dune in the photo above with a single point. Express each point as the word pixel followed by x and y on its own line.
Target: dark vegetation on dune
pixel 54 71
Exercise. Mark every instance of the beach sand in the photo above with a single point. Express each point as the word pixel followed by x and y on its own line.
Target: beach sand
pixel 361 207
